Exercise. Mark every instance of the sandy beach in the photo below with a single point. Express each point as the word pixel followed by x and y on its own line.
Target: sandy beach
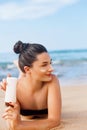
pixel 74 108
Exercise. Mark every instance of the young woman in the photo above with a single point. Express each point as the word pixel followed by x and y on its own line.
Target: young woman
pixel 38 105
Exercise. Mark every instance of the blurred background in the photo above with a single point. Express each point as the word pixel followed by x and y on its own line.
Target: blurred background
pixel 60 25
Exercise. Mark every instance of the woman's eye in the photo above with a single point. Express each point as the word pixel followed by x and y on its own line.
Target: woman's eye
pixel 44 65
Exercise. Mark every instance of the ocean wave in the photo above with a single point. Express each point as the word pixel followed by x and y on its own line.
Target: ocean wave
pixel 67 65
pixel 69 62
pixel 7 65
pixel 10 66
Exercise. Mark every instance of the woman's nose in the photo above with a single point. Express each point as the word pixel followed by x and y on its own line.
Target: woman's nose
pixel 51 69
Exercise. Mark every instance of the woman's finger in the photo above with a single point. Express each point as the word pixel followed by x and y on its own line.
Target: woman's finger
pixel 9 108
pixel 3 85
pixel 12 107
pixel 8 116
pixel 15 105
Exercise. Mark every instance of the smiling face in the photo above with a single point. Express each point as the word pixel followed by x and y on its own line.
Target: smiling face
pixel 41 69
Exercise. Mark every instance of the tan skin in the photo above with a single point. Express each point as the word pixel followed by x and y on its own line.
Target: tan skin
pixel 43 92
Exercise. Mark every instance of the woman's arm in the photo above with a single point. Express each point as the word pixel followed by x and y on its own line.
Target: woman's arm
pixel 42 124
pixel 54 100
pixel 54 112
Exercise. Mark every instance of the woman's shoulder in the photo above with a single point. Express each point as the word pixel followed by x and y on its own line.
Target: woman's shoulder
pixel 54 81
pixel 54 77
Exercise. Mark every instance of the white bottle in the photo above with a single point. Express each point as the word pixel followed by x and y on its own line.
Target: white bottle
pixel 10 95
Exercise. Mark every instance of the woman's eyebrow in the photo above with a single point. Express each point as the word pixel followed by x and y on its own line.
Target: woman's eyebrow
pixel 47 61
pixel 44 62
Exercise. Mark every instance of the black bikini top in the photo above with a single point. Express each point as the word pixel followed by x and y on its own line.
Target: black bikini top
pixel 26 112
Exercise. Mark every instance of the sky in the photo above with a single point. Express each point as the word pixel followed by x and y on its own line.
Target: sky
pixel 56 24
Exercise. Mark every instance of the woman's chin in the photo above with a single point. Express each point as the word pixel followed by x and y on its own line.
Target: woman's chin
pixel 48 79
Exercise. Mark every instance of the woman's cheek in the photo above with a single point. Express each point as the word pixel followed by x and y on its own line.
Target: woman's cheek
pixel 43 70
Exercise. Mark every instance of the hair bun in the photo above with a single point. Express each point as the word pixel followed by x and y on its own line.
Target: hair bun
pixel 19 47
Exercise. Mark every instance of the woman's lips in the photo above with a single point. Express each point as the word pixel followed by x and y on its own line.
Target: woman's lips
pixel 48 74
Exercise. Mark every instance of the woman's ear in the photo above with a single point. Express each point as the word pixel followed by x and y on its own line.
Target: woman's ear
pixel 26 69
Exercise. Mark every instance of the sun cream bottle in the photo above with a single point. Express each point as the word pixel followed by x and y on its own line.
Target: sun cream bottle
pixel 10 95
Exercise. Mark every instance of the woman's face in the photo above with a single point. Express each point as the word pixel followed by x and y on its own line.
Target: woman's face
pixel 41 69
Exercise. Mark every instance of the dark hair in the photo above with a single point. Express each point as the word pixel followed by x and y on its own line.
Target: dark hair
pixel 27 53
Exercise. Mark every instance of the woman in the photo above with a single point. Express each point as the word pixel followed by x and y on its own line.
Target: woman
pixel 38 105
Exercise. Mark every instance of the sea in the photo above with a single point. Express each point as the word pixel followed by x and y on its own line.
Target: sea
pixel 70 66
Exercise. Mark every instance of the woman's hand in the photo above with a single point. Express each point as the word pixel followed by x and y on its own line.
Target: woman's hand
pixel 3 83
pixel 12 115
